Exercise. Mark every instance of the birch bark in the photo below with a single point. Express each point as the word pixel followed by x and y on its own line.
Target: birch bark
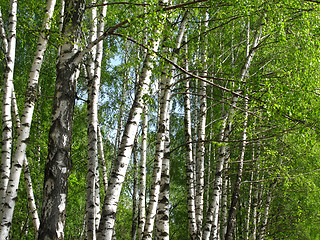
pixel 212 216
pixel 192 226
pixel 27 175
pixel 163 159
pixel 103 163
pixel 236 187
pixel 120 165
pixel 265 216
pixel 59 146
pixel 159 195
pixel 24 130
pixel 9 45
pixel 135 196
pixel 157 167
pixel 224 202
pixel 142 191
pixel 93 95
pixel 201 137
pixel 249 202
pixel 97 77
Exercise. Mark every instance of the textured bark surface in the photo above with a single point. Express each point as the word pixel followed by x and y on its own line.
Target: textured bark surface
pixel 135 195
pixel 236 186
pixel 157 167
pixel 9 43
pixel 120 165
pixel 102 161
pixel 143 158
pixel 192 226
pixel 24 130
pixel 201 137
pixel 93 94
pixel 26 170
pixel 211 226
pixel 59 146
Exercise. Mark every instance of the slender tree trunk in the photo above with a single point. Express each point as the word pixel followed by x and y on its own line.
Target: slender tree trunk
pixel 224 202
pixel 160 148
pixel 58 162
pixel 247 222
pixel 163 205
pixel 135 196
pixel 27 175
pixel 93 95
pixel 192 225
pixel 212 217
pixel 31 199
pixel 254 213
pixel 236 187
pixel 120 165
pixel 103 163
pixel 9 45
pixel 201 137
pixel 265 216
pixel 24 130
pixel 143 158
pixel 97 77
pixel 142 191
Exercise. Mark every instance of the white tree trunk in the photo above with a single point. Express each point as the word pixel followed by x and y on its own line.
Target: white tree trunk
pixel 212 218
pixel 192 226
pixel 157 167
pixel 27 175
pixel 224 203
pixel 93 95
pixel 265 216
pixel 103 163
pixel 24 131
pixel 143 158
pixel 31 200
pixel 10 49
pixel 97 76
pixel 201 137
pixel 135 195
pixel 236 186
pixel 120 165
pixel 159 195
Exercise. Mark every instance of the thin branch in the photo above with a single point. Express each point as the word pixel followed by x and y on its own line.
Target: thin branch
pixel 179 67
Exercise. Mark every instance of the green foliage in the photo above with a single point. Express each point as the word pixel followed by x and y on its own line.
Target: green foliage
pixel 282 85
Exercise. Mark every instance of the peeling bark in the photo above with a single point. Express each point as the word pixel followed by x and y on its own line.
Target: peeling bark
pixel 59 162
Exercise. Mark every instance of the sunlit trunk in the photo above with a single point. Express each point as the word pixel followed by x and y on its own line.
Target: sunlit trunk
pixel 58 163
pixel 24 130
pixel 120 165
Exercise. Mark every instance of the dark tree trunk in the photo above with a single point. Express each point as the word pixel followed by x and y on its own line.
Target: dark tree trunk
pixel 59 147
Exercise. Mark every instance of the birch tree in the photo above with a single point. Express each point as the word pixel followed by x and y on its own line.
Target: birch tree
pixel 165 87
pixel 212 217
pixel 125 149
pixel 58 162
pixel 9 46
pixel 143 159
pixel 24 130
pixel 192 227
pixel 201 137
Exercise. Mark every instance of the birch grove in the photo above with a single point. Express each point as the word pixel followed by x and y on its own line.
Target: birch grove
pixel 158 119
